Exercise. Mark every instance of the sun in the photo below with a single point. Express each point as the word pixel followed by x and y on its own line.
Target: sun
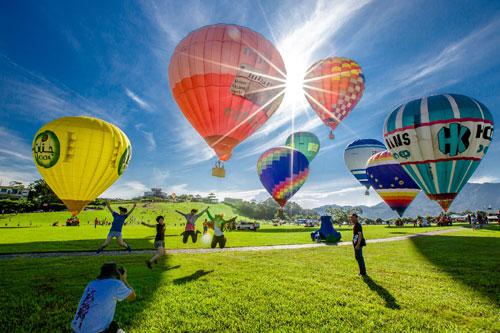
pixel 296 67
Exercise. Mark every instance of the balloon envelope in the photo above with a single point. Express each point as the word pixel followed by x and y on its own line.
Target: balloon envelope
pixel 227 80
pixel 282 171
pixel 391 182
pixel 80 157
pixel 440 140
pixel 305 142
pixel 357 153
pixel 333 86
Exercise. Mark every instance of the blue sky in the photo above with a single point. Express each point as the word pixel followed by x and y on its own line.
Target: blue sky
pixel 109 59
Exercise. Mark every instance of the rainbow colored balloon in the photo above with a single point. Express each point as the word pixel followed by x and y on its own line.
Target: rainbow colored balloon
pixel 439 141
pixel 282 171
pixel 391 181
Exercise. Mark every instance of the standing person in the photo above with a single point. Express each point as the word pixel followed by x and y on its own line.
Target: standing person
pixel 205 227
pixel 218 225
pixel 159 240
pixel 190 229
pixel 96 222
pixel 97 306
pixel 116 227
pixel 358 241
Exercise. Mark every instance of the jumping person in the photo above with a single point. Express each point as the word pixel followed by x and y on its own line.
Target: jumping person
pixel 218 223
pixel 358 241
pixel 190 229
pixel 96 309
pixel 159 240
pixel 116 227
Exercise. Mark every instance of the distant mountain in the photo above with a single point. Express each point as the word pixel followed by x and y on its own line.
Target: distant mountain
pixel 472 197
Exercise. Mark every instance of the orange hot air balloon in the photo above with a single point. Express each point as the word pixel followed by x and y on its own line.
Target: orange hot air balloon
pixel 227 80
pixel 333 86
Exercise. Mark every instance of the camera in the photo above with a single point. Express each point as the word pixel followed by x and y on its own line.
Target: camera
pixel 121 270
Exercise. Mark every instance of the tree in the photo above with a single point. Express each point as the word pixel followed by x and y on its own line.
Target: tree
pixel 212 199
pixel 41 193
pixel 341 214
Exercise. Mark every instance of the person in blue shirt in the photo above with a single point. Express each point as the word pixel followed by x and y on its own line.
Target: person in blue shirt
pixel 96 310
pixel 116 227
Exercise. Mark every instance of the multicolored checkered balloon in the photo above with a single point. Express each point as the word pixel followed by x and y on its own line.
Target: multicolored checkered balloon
pixel 333 86
pixel 282 171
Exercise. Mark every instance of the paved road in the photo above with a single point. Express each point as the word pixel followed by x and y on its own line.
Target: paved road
pixel 228 249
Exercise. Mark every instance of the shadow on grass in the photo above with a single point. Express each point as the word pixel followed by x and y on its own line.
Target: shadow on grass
pixel 390 301
pixel 193 277
pixel 279 230
pixel 473 261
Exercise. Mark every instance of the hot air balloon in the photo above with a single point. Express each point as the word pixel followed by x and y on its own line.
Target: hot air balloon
pixel 80 157
pixel 356 155
pixel 282 171
pixel 227 80
pixel 391 182
pixel 439 140
pixel 305 142
pixel 333 86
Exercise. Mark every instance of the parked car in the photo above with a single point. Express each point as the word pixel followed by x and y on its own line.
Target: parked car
pixel 242 225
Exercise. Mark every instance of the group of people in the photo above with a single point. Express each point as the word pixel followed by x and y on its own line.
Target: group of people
pixel 216 222
pixel 477 221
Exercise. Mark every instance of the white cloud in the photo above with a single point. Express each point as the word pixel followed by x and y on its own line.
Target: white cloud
pixel 139 101
pixel 190 144
pixel 148 136
pixel 125 190
pixel 24 175
pixel 484 179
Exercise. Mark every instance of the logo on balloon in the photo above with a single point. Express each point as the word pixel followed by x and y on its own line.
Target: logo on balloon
pixel 403 154
pixel 46 149
pixel 124 161
pixel 454 139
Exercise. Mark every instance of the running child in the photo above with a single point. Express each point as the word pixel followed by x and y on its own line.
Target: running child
pixel 116 228
pixel 159 240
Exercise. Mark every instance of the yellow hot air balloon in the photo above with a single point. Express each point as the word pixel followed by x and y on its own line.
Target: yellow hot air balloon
pixel 80 157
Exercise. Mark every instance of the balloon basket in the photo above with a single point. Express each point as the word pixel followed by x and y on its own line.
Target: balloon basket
pixel 331 136
pixel 218 170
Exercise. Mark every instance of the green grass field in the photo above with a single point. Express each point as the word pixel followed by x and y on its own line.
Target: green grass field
pixel 33 232
pixel 439 283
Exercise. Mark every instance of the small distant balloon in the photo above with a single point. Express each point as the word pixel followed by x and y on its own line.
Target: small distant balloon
pixel 305 142
pixel 357 153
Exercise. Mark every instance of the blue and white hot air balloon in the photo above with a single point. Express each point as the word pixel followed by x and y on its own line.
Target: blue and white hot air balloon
pixel 439 141
pixel 357 154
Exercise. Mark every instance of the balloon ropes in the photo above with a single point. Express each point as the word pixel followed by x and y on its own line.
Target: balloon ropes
pixel 440 141
pixel 391 182
pixel 228 81
pixel 356 155
pixel 333 86
pixel 80 157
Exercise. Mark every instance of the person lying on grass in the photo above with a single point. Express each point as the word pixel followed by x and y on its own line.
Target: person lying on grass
pixel 217 224
pixel 190 229
pixel 96 309
pixel 159 240
pixel 116 227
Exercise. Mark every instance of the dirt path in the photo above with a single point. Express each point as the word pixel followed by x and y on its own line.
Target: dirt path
pixel 228 249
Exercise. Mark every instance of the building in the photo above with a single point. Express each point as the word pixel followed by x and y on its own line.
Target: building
pixel 14 190
pixel 155 192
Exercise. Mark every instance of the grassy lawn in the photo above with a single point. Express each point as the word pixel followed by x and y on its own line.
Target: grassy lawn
pixel 439 283
pixel 35 233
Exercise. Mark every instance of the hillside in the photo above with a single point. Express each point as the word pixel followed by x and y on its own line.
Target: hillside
pixel 473 197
